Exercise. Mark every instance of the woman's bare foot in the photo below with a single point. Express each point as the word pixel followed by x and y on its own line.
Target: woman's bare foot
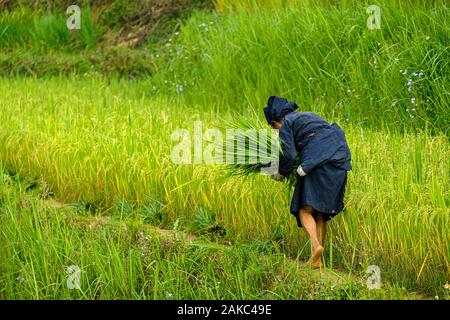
pixel 316 259
pixel 318 264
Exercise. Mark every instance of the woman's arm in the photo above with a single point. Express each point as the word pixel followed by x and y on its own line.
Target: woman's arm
pixel 289 152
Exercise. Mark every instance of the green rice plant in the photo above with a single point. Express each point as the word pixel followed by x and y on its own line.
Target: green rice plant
pixel 124 258
pixel 111 143
pixel 88 33
pixel 205 222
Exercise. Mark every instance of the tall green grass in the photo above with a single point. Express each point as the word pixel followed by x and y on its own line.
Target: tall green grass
pixel 33 30
pixel 15 28
pixel 321 56
pixel 101 144
pixel 121 257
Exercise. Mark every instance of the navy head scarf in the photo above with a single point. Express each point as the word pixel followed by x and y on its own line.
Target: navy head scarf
pixel 277 108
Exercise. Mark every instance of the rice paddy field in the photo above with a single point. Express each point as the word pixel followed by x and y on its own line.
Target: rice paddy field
pixel 87 178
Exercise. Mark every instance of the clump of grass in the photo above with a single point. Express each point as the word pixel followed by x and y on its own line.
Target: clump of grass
pixel 152 212
pixel 89 35
pixel 24 29
pixel 205 222
pixel 15 28
pixel 50 31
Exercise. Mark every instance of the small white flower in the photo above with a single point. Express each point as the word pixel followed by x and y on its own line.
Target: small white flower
pixel 179 88
pixel 169 295
pixel 413 100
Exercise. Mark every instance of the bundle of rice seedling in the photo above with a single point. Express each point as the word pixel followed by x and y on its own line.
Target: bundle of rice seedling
pixel 251 149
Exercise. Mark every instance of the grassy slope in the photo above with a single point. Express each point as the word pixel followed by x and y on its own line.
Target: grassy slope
pixel 112 144
pixel 34 39
pixel 124 258
pixel 323 57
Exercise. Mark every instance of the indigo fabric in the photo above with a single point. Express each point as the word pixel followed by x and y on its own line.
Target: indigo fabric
pixel 277 108
pixel 322 151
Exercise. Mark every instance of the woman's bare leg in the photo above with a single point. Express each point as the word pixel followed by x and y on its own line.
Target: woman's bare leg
pixel 308 222
pixel 321 228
